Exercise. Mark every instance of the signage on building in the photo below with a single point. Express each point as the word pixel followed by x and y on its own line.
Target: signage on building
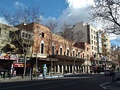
pixel 18 65
pixel 5 56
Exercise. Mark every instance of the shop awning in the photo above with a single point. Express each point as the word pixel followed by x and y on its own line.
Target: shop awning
pixel 38 55
pixel 67 58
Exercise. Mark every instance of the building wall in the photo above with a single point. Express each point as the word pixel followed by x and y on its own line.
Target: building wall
pixel 93 40
pixel 90 35
pixel 50 40
pixel 4 36
pixel 105 44
pixel 81 27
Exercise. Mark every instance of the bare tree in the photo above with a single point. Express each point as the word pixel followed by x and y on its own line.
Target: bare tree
pixel 52 24
pixel 23 15
pixel 73 38
pixel 108 12
pixel 18 18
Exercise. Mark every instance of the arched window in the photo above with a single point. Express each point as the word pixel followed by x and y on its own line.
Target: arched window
pixel 67 51
pixel 78 53
pixel 53 48
pixel 42 47
pixel 60 50
pixel 73 52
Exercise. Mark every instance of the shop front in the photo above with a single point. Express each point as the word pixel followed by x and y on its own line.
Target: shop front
pixel 6 61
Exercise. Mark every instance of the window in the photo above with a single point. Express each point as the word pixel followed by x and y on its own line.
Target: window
pixel 91 30
pixel 56 52
pixel 23 34
pixel 10 34
pixel 53 50
pixel 73 53
pixel 29 36
pixel 67 52
pixel 26 35
pixel 91 36
pixel 42 47
pixel 92 41
pixel 78 54
pixel 60 51
pixel 87 48
pixel 83 55
pixel 92 47
pixel 42 34
pixel 64 53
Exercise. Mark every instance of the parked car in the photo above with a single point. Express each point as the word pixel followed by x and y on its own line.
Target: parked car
pixel 108 72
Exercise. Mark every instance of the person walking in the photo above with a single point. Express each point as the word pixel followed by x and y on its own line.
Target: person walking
pixel 113 75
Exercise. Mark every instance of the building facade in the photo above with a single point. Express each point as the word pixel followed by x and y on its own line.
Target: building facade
pixel 7 48
pixel 56 52
pixel 99 43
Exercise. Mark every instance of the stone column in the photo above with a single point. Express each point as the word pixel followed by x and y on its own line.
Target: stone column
pixel 62 68
pixel 72 69
pixel 69 69
pixel 58 68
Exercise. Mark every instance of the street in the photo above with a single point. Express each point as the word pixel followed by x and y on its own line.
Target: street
pixel 74 82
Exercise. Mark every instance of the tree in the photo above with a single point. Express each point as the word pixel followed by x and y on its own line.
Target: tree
pixel 108 12
pixel 74 37
pixel 19 19
pixel 52 24
pixel 115 56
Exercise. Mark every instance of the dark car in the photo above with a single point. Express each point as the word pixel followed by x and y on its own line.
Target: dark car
pixel 108 72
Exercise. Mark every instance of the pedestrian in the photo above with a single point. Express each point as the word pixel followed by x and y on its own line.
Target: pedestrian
pixel 113 74
pixel 9 74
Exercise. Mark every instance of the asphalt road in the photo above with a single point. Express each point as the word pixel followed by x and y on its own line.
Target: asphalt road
pixel 77 82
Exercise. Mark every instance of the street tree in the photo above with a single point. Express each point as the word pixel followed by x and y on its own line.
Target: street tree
pixel 52 24
pixel 74 37
pixel 19 19
pixel 108 12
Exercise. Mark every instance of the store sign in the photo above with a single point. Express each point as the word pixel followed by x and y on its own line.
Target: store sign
pixel 18 65
pixel 8 56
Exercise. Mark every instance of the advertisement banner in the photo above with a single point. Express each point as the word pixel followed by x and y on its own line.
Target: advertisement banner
pixel 5 56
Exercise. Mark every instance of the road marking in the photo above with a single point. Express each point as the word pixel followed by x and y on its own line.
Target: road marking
pixel 103 85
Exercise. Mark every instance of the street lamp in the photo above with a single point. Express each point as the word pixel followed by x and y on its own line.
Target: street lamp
pixel 39 35
pixel 87 61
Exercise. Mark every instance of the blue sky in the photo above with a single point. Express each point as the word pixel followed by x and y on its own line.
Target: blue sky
pixel 70 11
pixel 48 7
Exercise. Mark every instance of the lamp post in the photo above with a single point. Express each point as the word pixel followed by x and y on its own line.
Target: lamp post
pixel 87 61
pixel 36 62
pixel 39 35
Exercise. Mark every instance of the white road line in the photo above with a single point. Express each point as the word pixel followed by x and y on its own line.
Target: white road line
pixel 103 85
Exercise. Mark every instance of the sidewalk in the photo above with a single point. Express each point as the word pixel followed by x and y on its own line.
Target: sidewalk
pixel 27 78
pixel 15 78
